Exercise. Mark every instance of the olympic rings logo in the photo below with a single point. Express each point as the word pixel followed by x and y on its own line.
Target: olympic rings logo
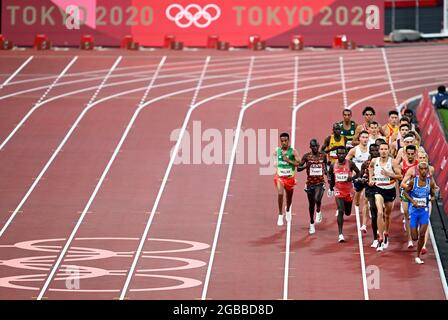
pixel 192 14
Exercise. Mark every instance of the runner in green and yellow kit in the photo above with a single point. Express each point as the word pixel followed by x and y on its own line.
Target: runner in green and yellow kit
pixel 348 128
pixel 286 159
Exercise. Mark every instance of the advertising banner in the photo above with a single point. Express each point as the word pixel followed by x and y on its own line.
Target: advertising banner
pixel 435 143
pixel 191 21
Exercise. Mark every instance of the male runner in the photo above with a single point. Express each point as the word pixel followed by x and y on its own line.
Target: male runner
pixel 369 116
pixel 397 140
pixel 374 133
pixel 284 180
pixel 348 127
pixel 405 165
pixel 408 113
pixel 359 154
pixel 331 143
pixel 383 173
pixel 408 140
pixel 315 163
pixel 370 191
pixel 410 174
pixel 340 178
pixel 418 192
pixel 391 126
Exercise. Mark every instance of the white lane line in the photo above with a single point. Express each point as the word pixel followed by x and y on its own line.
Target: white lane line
pixel 50 161
pixel 244 106
pixel 389 76
pixel 439 263
pixel 17 127
pixel 361 254
pixel 162 186
pixel 97 188
pixel 288 224
pixel 344 89
pixel 23 65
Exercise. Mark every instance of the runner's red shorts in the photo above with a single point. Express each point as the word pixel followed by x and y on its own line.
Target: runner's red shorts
pixel 287 182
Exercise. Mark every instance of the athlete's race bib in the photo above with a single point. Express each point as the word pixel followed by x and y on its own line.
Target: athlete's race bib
pixel 421 202
pixel 349 144
pixel 284 172
pixel 316 171
pixel 333 154
pixel 382 179
pixel 341 177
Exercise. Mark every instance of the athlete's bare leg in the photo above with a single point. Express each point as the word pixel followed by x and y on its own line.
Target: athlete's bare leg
pixel 387 216
pixel 365 211
pixel 419 235
pixel 379 201
pixel 281 191
pixel 405 205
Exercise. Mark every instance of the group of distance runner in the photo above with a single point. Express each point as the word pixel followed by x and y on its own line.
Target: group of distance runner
pixel 367 164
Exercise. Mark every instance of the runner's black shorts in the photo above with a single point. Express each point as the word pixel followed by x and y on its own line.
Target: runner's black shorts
pixel 388 195
pixel 359 186
pixel 312 187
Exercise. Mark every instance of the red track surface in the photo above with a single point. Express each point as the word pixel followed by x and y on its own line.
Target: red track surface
pixel 61 187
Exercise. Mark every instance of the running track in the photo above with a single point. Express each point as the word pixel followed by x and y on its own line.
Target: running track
pixel 92 196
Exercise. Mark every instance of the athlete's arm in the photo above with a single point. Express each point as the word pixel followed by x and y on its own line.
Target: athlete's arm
pixel 331 181
pixel 394 137
pixel 406 193
pixel 353 167
pixel 431 170
pixel 432 191
pixel 364 170
pixel 418 138
pixel 302 164
pixel 399 157
pixel 274 154
pixel 393 148
pixel 325 144
pixel 350 154
pixel 383 133
pixel 371 172
pixel 325 166
pixel 396 172
pixel 384 130
pixel 408 176
pixel 358 130
pixel 296 156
